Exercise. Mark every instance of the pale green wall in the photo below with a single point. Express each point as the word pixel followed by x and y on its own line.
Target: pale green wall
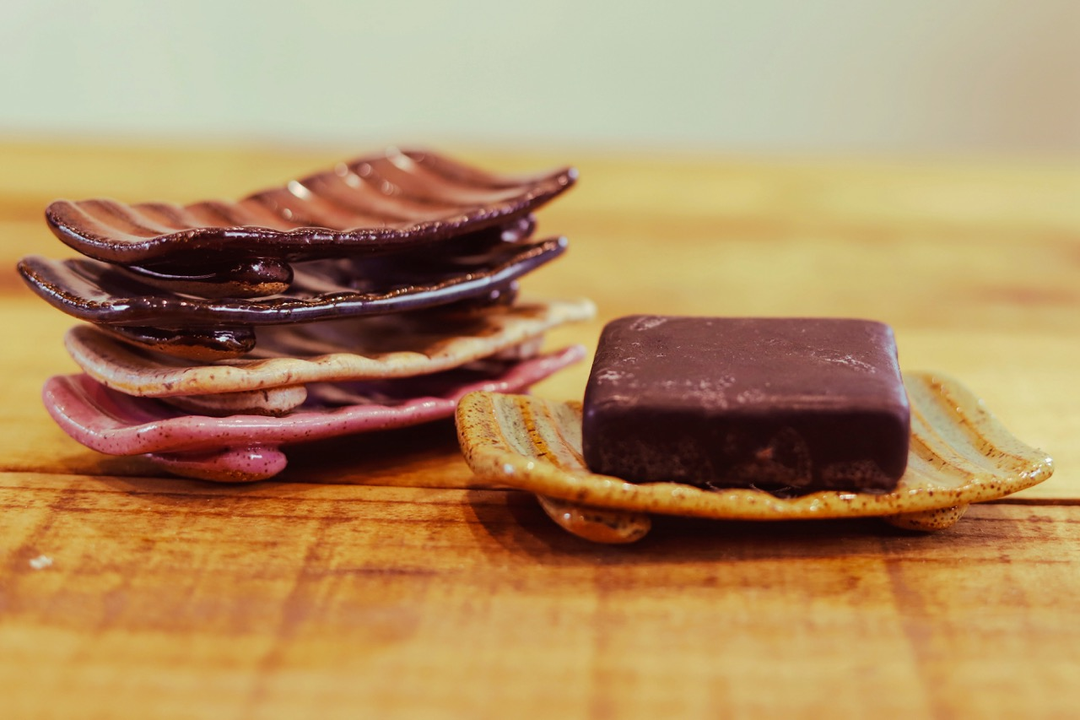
pixel 774 75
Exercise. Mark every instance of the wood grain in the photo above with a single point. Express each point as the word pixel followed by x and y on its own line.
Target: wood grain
pixel 373 582
pixel 265 601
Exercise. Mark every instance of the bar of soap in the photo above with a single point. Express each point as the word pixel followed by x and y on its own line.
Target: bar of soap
pixel 802 403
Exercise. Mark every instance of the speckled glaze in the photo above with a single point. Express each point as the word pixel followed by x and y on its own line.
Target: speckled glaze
pixel 341 350
pixel 959 454
pixel 616 527
pixel 246 447
pixel 279 401
pixel 380 203
pixel 96 292
pixel 275 402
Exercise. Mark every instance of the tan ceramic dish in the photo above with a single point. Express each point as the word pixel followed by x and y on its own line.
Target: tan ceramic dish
pixel 270 380
pixel 960 454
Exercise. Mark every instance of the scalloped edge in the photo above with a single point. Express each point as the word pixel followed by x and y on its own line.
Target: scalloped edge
pixel 534 444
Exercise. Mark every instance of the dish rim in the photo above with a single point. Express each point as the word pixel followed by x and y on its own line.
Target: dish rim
pixel 491 457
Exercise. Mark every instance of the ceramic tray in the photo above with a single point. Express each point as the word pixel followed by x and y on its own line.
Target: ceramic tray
pixel 385 346
pixel 379 203
pixel 91 290
pixel 960 454
pixel 259 277
pixel 247 447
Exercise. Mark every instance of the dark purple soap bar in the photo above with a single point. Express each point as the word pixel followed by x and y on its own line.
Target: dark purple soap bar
pixel 769 402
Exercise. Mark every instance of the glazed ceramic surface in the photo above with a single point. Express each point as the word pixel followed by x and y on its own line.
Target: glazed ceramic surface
pixel 380 203
pixel 246 447
pixel 199 343
pixel 340 350
pixel 959 454
pixel 260 277
pixel 240 278
pixel 271 401
pixel 96 292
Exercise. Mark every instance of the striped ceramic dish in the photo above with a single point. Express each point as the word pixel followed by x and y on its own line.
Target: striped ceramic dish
pixel 960 454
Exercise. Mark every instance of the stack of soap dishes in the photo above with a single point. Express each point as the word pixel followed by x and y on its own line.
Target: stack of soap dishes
pixel 370 296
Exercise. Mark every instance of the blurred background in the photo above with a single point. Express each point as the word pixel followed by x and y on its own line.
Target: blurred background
pixel 826 76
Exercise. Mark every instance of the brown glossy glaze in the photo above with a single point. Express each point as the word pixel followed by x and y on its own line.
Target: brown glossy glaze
pixel 95 291
pixel 202 344
pixel 260 277
pixel 219 343
pixel 376 204
pixel 241 278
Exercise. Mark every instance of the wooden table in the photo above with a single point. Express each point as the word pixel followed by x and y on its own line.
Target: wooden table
pixel 372 581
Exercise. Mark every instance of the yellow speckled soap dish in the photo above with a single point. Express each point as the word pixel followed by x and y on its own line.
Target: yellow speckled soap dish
pixel 960 454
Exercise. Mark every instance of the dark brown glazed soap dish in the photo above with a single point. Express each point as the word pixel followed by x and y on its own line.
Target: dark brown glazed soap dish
pixel 321 290
pixel 380 203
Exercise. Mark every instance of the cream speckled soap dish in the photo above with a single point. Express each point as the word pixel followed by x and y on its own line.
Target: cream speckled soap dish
pixel 271 380
pixel 960 454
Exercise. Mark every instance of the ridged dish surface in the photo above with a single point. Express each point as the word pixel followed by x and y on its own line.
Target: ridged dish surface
pixel 386 346
pixel 960 453
pixel 246 447
pixel 94 291
pixel 379 203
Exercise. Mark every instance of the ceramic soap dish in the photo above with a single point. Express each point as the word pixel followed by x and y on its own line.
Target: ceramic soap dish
pixel 246 447
pixel 380 203
pixel 960 454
